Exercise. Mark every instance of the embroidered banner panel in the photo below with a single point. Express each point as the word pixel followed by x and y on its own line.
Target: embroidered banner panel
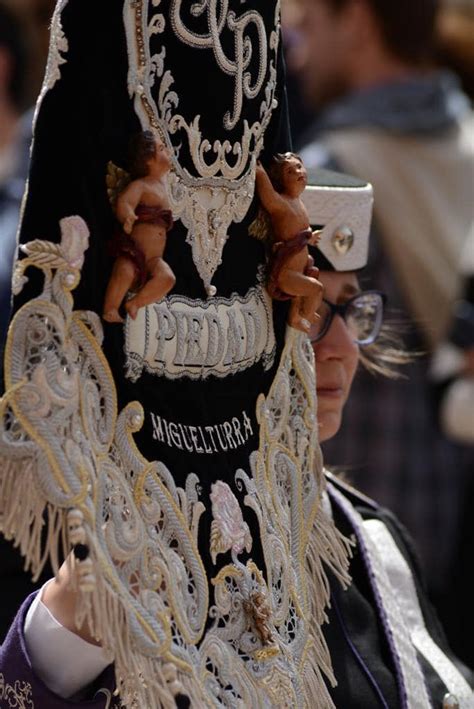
pixel 181 445
pixel 206 76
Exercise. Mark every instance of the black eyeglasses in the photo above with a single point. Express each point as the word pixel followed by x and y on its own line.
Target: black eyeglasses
pixel 363 315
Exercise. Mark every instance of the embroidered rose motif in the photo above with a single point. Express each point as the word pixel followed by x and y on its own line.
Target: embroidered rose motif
pixel 74 240
pixel 228 529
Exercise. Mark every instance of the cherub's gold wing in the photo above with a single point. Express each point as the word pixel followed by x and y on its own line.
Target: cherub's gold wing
pixel 117 180
pixel 261 227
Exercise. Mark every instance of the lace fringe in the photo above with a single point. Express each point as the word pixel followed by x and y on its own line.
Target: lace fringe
pixel 24 515
pixel 327 549
pixel 141 681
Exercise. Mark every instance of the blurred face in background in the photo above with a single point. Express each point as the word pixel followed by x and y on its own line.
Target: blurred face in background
pixel 36 16
pixel 320 56
pixel 336 356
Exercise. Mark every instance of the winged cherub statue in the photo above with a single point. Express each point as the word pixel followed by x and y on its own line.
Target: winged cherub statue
pixel 291 266
pixel 142 209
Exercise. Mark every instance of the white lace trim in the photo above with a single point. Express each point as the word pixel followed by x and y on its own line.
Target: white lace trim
pixel 58 46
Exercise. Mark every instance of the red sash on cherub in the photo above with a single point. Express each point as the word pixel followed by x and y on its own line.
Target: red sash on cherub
pixel 124 245
pixel 282 251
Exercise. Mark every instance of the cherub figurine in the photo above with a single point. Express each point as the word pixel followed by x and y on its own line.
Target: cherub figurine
pixel 259 611
pixel 142 209
pixel 290 263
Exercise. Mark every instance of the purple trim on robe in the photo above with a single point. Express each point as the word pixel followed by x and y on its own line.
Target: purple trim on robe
pixel 20 686
pixel 282 251
pixel 378 600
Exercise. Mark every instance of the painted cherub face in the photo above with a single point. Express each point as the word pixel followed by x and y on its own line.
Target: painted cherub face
pixel 294 176
pixel 162 157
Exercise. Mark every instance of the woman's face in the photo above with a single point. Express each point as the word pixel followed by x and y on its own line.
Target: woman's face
pixel 336 356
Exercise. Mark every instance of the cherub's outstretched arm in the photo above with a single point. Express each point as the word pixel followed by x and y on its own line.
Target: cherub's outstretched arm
pixel 316 237
pixel 269 197
pixel 127 203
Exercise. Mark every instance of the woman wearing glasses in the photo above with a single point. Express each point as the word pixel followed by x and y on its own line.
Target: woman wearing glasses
pixel 386 645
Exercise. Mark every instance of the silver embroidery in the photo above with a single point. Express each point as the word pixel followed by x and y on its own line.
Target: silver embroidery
pixel 218 438
pixel 228 529
pixel 107 694
pixel 217 19
pixel 223 188
pixel 180 337
pixel 57 48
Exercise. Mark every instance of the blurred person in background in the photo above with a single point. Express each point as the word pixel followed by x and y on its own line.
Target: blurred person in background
pixel 455 40
pixel 386 114
pixel 13 65
pixel 23 25
pixel 452 373
pixel 35 17
pixel 387 646
pixel 24 32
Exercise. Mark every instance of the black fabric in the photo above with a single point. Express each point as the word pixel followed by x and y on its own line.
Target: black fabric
pixel 320 260
pixel 16 584
pixel 360 653
pixel 87 120
pixel 321 177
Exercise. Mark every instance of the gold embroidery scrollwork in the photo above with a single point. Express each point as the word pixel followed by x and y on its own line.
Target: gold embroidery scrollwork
pixel 17 695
